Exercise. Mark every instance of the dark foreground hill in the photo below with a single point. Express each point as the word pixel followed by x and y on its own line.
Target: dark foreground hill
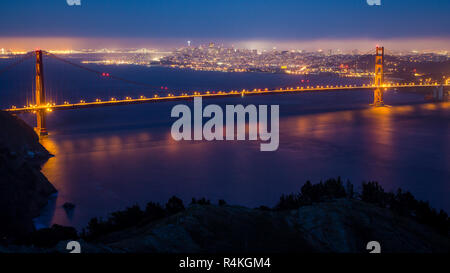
pixel 341 225
pixel 23 188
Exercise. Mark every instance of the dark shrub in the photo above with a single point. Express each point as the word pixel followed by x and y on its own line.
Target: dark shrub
pixel 95 228
pixel 118 220
pixel 405 204
pixel 350 190
pixel 331 189
pixel 174 205
pixel 130 217
pixel 309 193
pixel 264 208
pixel 222 202
pixel 402 202
pixel 154 211
pixel 334 188
pixel 373 193
pixel 288 202
pixel 126 218
pixel 202 201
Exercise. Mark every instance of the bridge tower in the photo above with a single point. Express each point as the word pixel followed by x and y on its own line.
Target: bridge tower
pixel 41 128
pixel 379 77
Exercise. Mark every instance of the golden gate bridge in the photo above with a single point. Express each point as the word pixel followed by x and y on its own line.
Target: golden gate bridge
pixel 41 105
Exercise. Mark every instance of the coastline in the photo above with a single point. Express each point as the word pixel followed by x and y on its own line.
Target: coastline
pixel 24 190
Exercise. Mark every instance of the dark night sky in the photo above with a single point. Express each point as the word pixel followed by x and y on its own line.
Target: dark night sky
pixel 226 19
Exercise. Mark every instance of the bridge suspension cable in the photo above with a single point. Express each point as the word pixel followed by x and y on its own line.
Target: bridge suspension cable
pixel 96 71
pixel 21 60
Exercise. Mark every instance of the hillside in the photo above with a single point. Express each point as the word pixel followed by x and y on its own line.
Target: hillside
pixel 24 190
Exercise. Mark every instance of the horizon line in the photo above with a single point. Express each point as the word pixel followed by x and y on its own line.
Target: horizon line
pixel 431 43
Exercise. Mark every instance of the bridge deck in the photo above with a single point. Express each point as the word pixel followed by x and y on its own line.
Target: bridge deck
pixel 170 97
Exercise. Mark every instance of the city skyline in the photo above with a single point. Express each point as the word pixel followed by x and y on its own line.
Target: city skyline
pixel 435 44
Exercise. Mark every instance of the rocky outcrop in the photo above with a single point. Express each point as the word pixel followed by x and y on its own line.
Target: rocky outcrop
pixel 24 190
pixel 20 139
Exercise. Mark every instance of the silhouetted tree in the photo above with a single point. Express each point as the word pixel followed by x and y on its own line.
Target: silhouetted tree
pixel 154 211
pixel 350 190
pixel 202 201
pixel 405 204
pixel 288 202
pixel 264 208
pixel 174 205
pixel 126 218
pixel 373 193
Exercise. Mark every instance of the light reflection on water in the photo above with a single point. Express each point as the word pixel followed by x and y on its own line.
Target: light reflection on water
pixel 102 170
